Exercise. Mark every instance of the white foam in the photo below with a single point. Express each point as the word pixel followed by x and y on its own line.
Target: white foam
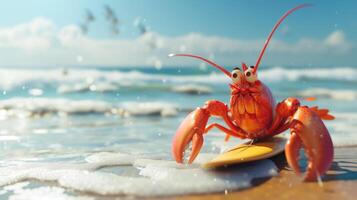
pixel 111 158
pixel 30 107
pixel 17 186
pixel 47 105
pixel 81 79
pixel 336 73
pixel 85 87
pixel 42 193
pixel 345 95
pixel 150 108
pixel 36 92
pixel 192 89
pixel 110 80
pixel 155 178
pixel 343 129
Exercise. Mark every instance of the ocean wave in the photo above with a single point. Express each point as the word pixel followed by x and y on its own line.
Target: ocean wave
pixel 343 129
pixel 192 89
pixel 345 95
pixel 104 87
pixel 155 177
pixel 101 80
pixel 87 87
pixel 150 108
pixel 38 107
pixel 333 74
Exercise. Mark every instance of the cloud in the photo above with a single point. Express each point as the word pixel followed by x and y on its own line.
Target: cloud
pixel 41 42
pixel 336 38
pixel 36 34
pixel 338 41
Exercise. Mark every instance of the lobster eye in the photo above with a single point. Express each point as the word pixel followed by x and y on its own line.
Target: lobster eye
pixel 250 76
pixel 235 75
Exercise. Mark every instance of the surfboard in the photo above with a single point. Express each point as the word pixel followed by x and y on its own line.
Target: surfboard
pixel 249 152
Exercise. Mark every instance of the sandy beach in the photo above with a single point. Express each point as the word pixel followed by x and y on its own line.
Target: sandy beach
pixel 339 183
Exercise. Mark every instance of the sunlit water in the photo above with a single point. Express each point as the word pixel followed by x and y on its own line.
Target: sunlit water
pixel 82 133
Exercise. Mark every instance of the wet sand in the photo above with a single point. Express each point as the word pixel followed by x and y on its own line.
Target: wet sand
pixel 339 183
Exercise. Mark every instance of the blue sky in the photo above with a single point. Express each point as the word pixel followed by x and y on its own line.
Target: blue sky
pixel 214 23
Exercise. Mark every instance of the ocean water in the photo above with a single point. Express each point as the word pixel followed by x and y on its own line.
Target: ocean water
pixel 82 133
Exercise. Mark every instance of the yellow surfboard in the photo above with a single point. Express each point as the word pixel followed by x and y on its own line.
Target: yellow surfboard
pixel 249 152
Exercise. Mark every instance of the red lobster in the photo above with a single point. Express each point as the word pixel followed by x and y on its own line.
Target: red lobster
pixel 253 114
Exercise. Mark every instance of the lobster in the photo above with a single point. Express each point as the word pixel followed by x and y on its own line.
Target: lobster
pixel 253 114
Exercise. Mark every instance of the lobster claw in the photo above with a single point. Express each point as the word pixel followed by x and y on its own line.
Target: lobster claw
pixel 309 132
pixel 191 130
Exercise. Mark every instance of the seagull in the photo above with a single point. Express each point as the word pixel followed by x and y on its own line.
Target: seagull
pixel 139 23
pixel 89 16
pixel 84 28
pixel 112 19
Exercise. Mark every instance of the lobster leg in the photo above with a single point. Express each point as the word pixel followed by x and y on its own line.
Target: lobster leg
pixel 308 131
pixel 193 127
pixel 229 132
pixel 284 110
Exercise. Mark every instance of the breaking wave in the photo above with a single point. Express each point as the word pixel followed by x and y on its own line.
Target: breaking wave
pixel 35 107
pixel 345 95
pixel 80 80
pixel 192 89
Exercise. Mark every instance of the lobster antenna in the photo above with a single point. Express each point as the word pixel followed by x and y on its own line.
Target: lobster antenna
pixel 205 60
pixel 272 32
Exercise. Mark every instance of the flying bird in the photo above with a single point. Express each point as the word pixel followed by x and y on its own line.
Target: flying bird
pixel 89 18
pixel 112 19
pixel 84 28
pixel 140 24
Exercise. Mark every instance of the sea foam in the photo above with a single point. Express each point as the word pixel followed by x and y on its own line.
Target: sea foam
pixel 192 89
pixel 40 106
pixel 101 80
pixel 335 74
pixel 155 177
pixel 344 95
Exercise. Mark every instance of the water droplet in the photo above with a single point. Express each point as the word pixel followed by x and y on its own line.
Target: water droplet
pixel 158 64
pixel 79 58
pixel 186 153
pixel 35 92
pixel 93 88
pixel 203 66
pixel 182 48
pixel 89 80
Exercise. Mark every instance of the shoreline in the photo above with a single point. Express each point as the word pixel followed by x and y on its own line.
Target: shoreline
pixel 340 182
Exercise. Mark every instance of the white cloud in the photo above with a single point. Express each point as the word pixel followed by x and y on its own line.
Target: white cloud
pixel 36 34
pixel 40 42
pixel 336 38
pixel 70 35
